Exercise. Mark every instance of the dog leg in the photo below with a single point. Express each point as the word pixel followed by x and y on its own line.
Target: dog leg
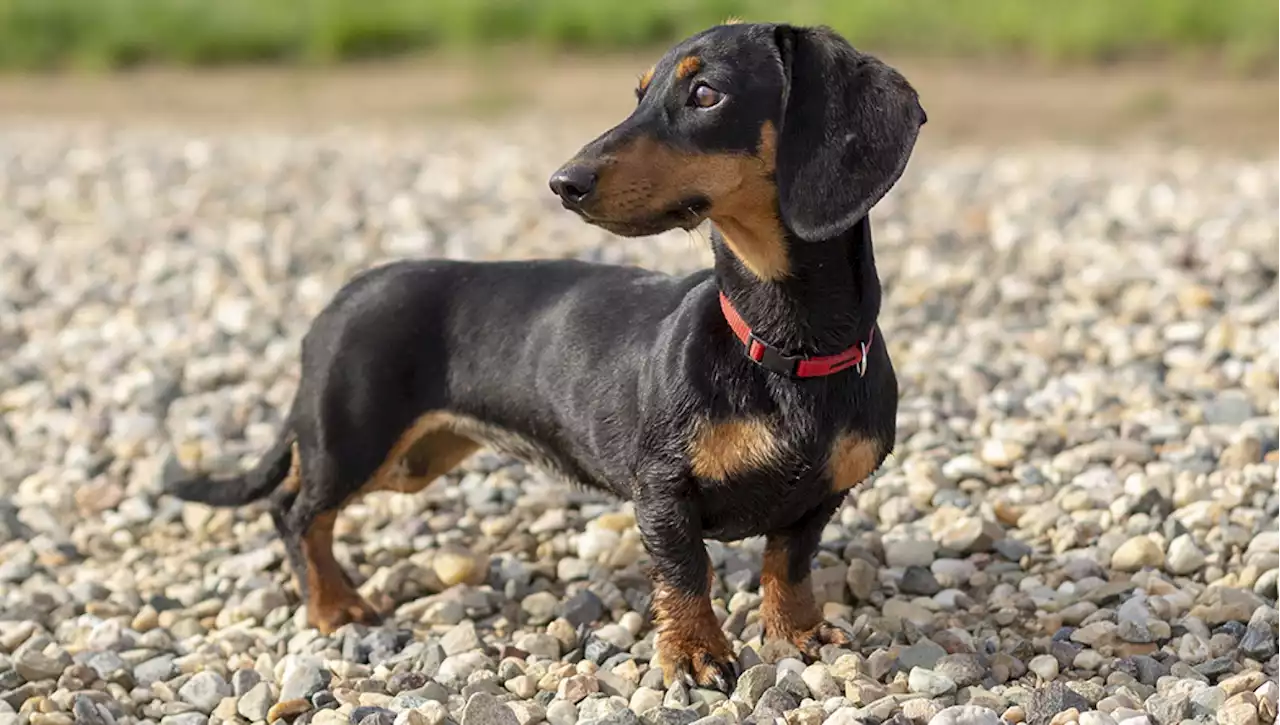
pixel 305 521
pixel 690 643
pixel 789 610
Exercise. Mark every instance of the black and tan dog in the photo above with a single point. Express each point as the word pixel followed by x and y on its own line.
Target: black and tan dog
pixel 741 401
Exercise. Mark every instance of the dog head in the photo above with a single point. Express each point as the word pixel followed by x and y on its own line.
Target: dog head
pixel 773 132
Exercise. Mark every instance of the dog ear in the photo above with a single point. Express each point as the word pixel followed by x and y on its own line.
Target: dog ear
pixel 849 123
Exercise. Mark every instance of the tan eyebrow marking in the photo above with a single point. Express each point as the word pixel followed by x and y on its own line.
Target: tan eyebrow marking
pixel 688 66
pixel 646 79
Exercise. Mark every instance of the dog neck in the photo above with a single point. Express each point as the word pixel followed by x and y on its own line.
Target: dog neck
pixel 828 302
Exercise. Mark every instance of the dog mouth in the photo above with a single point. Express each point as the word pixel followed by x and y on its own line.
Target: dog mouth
pixel 687 214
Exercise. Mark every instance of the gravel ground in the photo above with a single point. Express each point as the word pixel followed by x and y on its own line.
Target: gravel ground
pixel 1079 524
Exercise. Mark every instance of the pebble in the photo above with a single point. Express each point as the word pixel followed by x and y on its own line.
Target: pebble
pixel 1045 667
pixel 965 715
pixel 1047 701
pixel 205 690
pixel 929 683
pixel 1184 557
pixel 254 704
pixel 1137 553
pixel 485 709
pixel 562 712
pixel 302 678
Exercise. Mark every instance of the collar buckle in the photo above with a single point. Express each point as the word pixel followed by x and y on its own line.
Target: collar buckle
pixel 768 357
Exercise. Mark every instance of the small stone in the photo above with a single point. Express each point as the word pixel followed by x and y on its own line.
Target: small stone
pixel 485 709
pixel 286 709
pixel 562 712
pixel 522 686
pixel 255 703
pixel 1243 682
pixel 621 716
pixel 1266 586
pixel 615 686
pixel 920 710
pixel 372 715
pixel 775 702
pixel 1238 713
pixel 1050 700
pixel 926 653
pixel 34 666
pixel 966 670
pixel 1168 708
pixel 1045 667
pixel 542 645
pixel 645 699
pixel 822 685
pixel 668 716
pixel 919 580
pixel 970 535
pixel 1137 553
pixel 901 553
pixel 753 683
pixel 583 608
pixel 861 579
pixel 1217 605
pixel 302 679
pixel 791 681
pixel 577 687
pixel 1093 717
pixel 1259 640
pixel 540 607
pixel 460 638
pixel 1184 556
pixel 1207 702
pixel 156 669
pixel 243 680
pixel 966 715
pixel 458 566
pixel 862 692
pixel 205 690
pixel 929 683
pixel 677 695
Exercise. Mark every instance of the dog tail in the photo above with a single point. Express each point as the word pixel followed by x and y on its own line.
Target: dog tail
pixel 237 490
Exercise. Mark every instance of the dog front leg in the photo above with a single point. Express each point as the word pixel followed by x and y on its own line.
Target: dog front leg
pixel 690 643
pixel 789 610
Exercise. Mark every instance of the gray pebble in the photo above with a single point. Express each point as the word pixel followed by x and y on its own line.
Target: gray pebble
pixel 205 690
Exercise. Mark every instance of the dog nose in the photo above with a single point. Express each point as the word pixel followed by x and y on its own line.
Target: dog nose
pixel 573 183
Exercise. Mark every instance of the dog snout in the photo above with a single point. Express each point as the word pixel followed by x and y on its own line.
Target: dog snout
pixel 574 183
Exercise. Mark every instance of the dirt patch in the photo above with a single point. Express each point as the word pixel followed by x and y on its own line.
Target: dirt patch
pixel 967 103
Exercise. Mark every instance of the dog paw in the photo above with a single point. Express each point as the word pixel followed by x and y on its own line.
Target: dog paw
pixel 810 641
pixel 700 667
pixel 328 618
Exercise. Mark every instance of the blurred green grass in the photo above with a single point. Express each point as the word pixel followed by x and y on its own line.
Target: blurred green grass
pixel 110 34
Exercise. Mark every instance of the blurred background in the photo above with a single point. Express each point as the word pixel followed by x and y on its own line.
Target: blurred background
pixel 1079 70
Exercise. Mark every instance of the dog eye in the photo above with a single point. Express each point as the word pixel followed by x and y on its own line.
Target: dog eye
pixel 704 96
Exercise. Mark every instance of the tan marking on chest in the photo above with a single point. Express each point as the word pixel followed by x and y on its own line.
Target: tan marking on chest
pixel 728 448
pixel 853 460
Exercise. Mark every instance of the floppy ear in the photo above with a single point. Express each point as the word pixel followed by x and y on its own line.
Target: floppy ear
pixel 849 123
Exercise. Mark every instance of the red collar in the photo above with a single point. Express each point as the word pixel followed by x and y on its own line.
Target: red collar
pixel 770 358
